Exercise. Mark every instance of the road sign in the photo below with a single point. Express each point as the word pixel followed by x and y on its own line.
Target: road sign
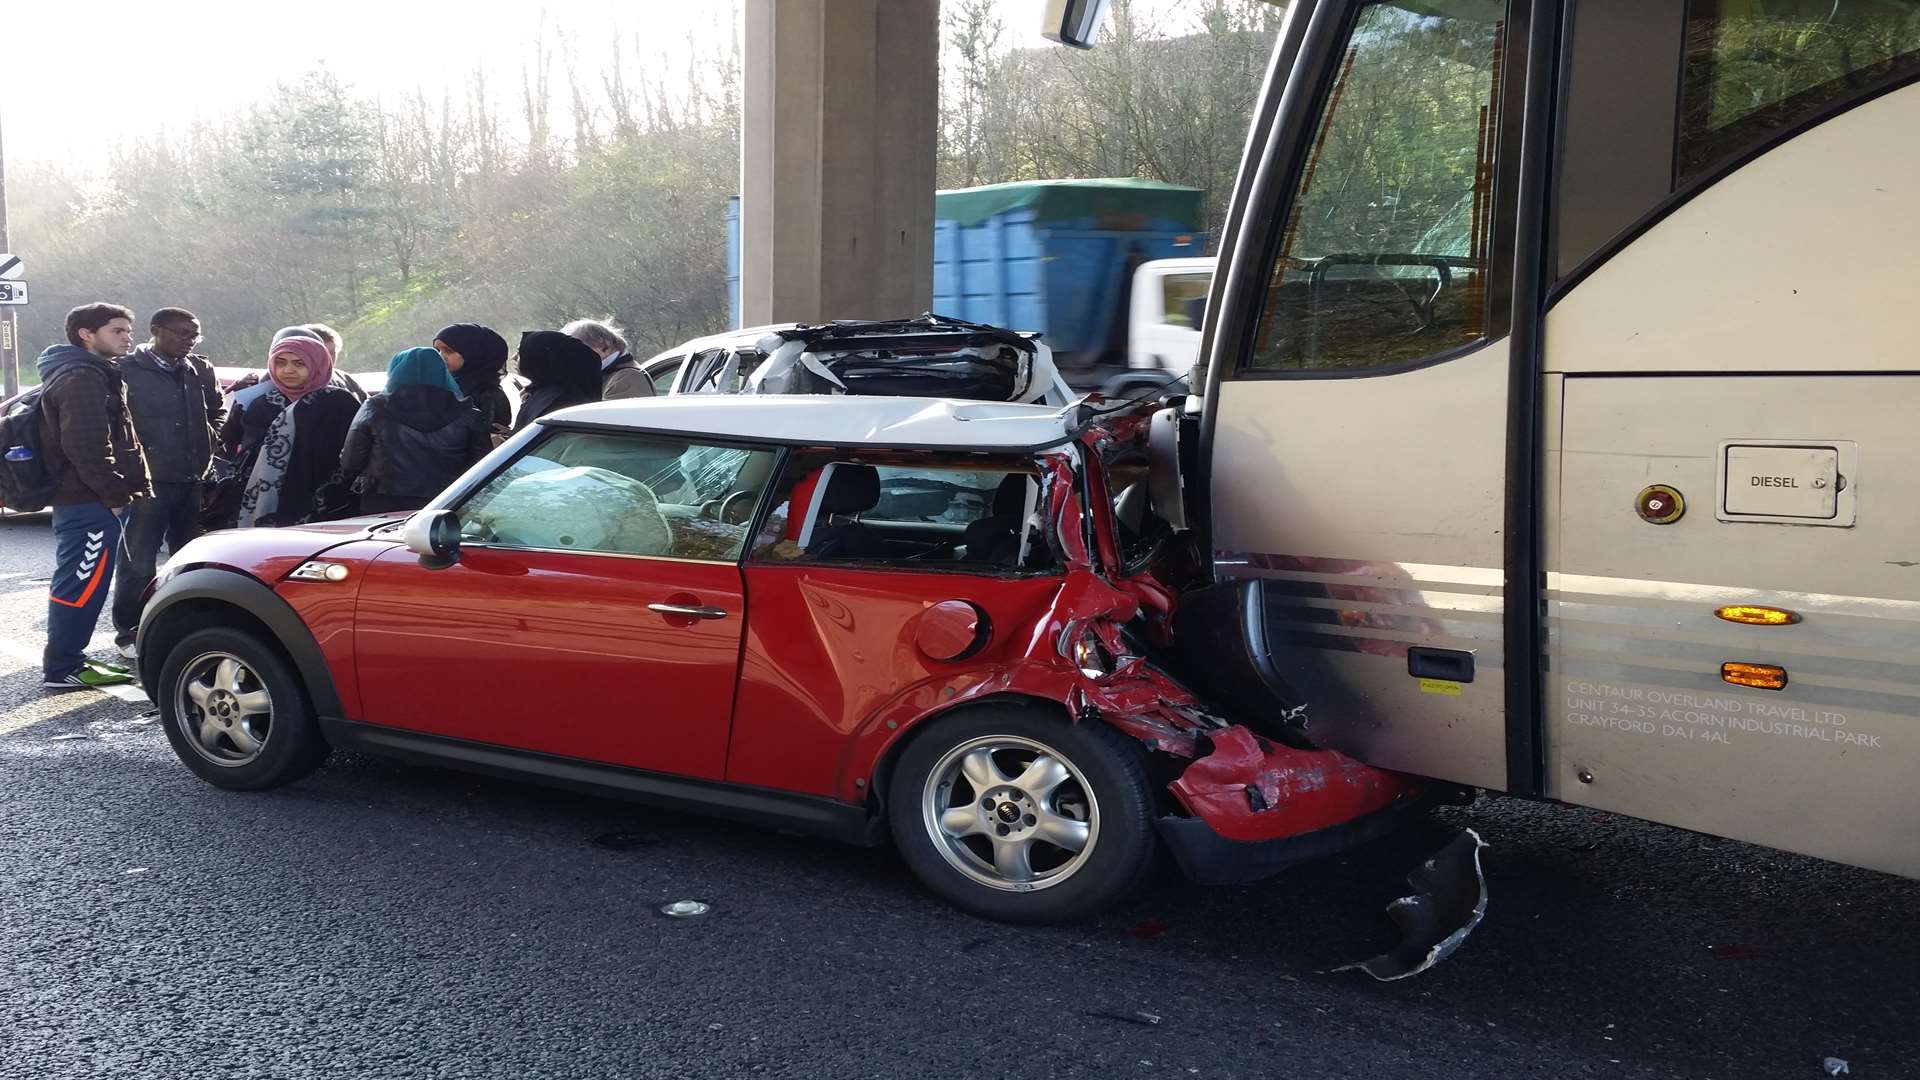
pixel 13 292
pixel 11 268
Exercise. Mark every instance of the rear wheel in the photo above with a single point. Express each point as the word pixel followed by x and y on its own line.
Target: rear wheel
pixel 1016 815
pixel 235 712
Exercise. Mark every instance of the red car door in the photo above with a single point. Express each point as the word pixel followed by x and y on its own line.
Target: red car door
pixel 625 653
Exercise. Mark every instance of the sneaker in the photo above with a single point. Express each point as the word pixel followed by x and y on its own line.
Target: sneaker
pixel 111 667
pixel 88 679
pixel 127 650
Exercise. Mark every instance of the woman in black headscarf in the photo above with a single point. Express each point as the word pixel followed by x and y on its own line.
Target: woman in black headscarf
pixel 560 371
pixel 476 357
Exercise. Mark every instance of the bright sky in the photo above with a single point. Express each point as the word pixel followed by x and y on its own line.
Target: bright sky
pixel 159 65
pixel 130 67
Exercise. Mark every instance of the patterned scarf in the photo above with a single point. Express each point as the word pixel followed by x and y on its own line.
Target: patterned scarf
pixel 262 495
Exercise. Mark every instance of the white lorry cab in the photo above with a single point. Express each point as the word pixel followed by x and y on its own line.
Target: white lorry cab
pixel 1557 428
pixel 1167 304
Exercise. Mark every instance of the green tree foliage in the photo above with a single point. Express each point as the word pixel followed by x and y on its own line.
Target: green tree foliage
pixel 389 220
pixel 1167 95
pixel 599 189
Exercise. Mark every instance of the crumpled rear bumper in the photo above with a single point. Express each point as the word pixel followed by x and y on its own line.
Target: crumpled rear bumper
pixel 1211 859
pixel 1258 807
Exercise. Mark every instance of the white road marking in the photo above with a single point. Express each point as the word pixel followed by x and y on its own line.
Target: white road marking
pixel 26 654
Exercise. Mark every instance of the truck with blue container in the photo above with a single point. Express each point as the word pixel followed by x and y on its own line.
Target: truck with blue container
pixel 1108 270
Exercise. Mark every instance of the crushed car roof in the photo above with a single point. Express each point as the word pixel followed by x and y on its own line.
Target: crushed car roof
pixel 926 356
pixel 916 423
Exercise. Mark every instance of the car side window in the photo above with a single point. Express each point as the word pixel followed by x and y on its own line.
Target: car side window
pixel 621 494
pixel 935 514
pixel 1385 254
pixel 720 371
pixel 1758 67
pixel 663 373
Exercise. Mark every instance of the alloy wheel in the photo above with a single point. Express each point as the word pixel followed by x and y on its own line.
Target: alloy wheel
pixel 1010 812
pixel 224 709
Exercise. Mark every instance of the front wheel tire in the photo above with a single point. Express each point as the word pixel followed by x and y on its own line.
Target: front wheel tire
pixel 1016 815
pixel 236 713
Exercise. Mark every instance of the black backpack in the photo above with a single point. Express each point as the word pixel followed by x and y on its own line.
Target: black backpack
pixel 25 481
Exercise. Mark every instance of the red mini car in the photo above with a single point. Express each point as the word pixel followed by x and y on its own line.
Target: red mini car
pixel 849 616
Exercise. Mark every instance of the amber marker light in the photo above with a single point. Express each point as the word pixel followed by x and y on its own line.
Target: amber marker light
pixel 1754 615
pixel 1758 676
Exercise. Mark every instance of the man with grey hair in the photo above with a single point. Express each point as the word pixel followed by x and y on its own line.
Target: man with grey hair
pixel 620 374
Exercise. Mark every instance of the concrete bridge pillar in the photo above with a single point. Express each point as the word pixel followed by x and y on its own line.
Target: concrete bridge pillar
pixel 839 115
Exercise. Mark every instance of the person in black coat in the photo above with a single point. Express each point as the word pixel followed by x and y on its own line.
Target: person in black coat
pixel 290 436
pixel 560 371
pixel 410 441
pixel 477 357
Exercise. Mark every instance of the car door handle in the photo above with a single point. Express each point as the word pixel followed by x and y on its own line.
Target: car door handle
pixel 689 611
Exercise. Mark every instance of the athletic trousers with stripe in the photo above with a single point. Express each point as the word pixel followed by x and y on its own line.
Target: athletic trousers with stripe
pixel 87 541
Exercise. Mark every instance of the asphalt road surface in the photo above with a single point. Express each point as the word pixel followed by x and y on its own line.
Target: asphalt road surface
pixel 380 920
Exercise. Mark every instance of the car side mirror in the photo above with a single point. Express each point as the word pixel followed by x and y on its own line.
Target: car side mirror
pixel 1166 486
pixel 1073 22
pixel 434 535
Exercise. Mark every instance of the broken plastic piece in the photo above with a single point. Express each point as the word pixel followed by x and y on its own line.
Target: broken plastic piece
pixel 71 737
pixel 1835 1066
pixel 1144 1019
pixel 685 909
pixel 1449 900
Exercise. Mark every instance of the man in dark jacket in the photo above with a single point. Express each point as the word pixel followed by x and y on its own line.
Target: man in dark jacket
pixel 94 455
pixel 620 374
pixel 174 398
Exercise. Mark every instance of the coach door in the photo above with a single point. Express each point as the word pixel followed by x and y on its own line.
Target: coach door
pixel 1356 430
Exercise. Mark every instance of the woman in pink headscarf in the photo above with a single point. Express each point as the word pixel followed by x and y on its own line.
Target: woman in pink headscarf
pixel 292 433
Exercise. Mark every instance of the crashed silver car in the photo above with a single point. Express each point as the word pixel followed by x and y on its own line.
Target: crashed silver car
pixel 927 356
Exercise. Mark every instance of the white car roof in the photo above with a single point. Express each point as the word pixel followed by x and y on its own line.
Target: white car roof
pixel 834 420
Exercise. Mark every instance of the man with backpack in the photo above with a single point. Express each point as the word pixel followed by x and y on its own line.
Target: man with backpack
pixel 174 399
pixel 93 459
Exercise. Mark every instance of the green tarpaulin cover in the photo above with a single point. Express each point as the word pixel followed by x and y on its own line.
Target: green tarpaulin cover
pixel 1065 200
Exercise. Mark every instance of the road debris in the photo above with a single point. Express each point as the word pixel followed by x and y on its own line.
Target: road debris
pixel 1143 1019
pixel 685 909
pixel 1449 900
pixel 1151 928
pixel 71 737
pixel 1836 1067
pixel 621 841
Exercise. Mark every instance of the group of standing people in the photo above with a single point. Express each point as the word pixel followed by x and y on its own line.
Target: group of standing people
pixel 131 437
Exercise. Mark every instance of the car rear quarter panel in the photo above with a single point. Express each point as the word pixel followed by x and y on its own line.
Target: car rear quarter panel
pixel 831 676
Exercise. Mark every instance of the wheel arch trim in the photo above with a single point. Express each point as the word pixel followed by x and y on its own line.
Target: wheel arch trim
pixel 876 765
pixel 192 588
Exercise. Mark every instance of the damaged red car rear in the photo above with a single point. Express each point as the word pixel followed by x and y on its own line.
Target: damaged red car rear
pixel 947 621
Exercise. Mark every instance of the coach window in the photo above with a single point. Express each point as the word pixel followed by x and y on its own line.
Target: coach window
pixel 1755 68
pixel 1385 254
